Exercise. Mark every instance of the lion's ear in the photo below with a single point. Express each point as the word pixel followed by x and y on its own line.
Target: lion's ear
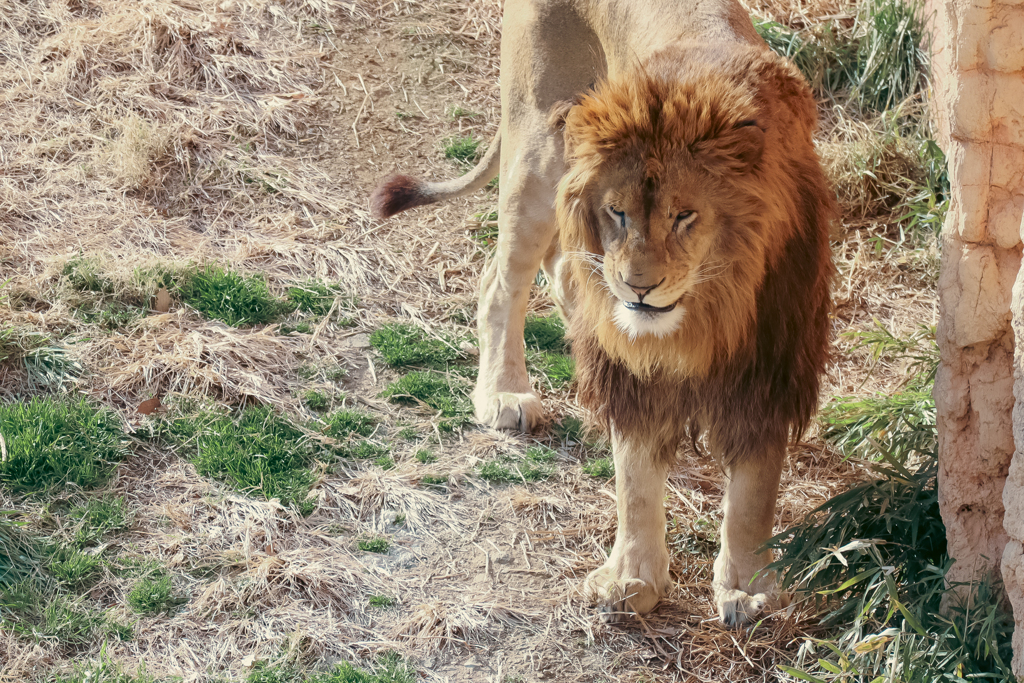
pixel 737 150
pixel 558 120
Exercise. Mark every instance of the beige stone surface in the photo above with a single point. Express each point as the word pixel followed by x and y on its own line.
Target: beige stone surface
pixel 978 105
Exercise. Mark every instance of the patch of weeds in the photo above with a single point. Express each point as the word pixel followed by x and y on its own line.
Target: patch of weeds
pixel 486 234
pixel 698 537
pixel 385 462
pixel 342 423
pixel 877 63
pixel 153 595
pixel 112 315
pixel 315 297
pixel 96 517
pixel 19 554
pixel 316 400
pixel 83 275
pixel 557 368
pixel 426 457
pixel 33 609
pixel 52 368
pixel 464 151
pixel 434 480
pixel 459 112
pixel 408 434
pixel 897 425
pixel 402 115
pixel 237 300
pixel 253 450
pixel 365 450
pixel 442 393
pixel 375 544
pixel 104 671
pixel 536 464
pixel 600 468
pixel 52 442
pixel 545 333
pixel 382 601
pixel 75 569
pixel 403 345
pixel 399 519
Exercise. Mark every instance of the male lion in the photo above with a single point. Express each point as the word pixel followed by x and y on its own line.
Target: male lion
pixel 693 262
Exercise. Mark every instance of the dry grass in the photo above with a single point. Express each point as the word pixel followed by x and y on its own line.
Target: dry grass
pixel 154 135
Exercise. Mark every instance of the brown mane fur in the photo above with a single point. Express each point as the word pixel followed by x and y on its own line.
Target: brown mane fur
pixel 743 366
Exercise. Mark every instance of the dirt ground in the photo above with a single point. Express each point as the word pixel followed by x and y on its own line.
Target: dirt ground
pixel 485 576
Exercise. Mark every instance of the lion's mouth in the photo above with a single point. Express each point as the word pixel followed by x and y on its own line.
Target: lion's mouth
pixel 645 308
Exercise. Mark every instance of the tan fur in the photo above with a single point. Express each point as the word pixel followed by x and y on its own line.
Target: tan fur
pixel 685 178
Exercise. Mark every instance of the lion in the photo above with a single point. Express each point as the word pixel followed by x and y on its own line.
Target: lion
pixel 657 162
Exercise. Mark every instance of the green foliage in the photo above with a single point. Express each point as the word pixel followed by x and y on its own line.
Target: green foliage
pixel 253 450
pixel 557 368
pixel 316 400
pixel 381 601
pixel 545 333
pixel 464 151
pixel 364 450
pixel 52 443
pixel 51 368
pixel 877 64
pixel 600 468
pixel 696 537
pixel 96 517
pixel 443 393
pixel 385 462
pixel 404 345
pixel 486 233
pixel 375 544
pixel 342 423
pixel 238 300
pixel 536 464
pixel 75 569
pixel 35 609
pixel 426 457
pixel 153 595
pixel 387 668
pixel 83 275
pixel 316 297
pixel 111 315
pixel 434 480
pixel 104 671
pixel 897 425
pixel 19 555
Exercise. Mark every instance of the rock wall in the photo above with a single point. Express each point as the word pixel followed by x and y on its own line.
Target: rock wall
pixel 978 103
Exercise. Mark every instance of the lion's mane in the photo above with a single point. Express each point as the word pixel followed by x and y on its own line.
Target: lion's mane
pixel 744 364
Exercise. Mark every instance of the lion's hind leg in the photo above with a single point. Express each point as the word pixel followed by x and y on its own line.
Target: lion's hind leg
pixel 635 576
pixel 752 485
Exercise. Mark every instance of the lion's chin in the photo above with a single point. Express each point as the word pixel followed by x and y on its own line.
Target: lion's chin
pixel 635 322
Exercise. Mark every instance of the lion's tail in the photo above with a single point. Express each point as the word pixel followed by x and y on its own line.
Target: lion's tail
pixel 400 192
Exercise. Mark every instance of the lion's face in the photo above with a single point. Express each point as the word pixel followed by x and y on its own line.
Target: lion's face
pixel 658 237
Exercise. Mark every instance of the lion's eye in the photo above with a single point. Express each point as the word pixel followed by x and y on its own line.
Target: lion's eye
pixel 617 216
pixel 685 219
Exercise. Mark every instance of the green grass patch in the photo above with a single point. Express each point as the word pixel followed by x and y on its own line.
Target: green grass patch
pixel 600 468
pixel 235 299
pixel 83 274
pixel 51 443
pixel 464 151
pixel 385 462
pixel 408 434
pixel 19 554
pixel 51 367
pixel 317 298
pixel 443 393
pixel 74 569
pixel 536 464
pixel 382 601
pixel 154 595
pixel 367 450
pixel 316 400
pixel 110 315
pixel 254 451
pixel 343 423
pixel 388 667
pixel 434 480
pixel 877 63
pixel 375 544
pixel 402 345
pixel 95 518
pixel 558 369
pixel 33 609
pixel 426 457
pixel 104 671
pixel 486 232
pixel 545 333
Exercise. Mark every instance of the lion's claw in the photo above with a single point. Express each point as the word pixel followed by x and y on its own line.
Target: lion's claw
pixel 507 410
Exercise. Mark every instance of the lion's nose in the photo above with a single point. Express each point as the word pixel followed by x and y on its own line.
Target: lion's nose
pixel 641 292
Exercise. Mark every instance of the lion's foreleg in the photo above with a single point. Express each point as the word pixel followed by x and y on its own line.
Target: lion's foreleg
pixel 635 576
pixel 752 487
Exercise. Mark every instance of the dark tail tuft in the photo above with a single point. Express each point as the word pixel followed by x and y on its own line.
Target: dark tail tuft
pixel 396 194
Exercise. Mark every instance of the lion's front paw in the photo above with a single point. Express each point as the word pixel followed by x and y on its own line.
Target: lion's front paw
pixel 621 587
pixel 507 410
